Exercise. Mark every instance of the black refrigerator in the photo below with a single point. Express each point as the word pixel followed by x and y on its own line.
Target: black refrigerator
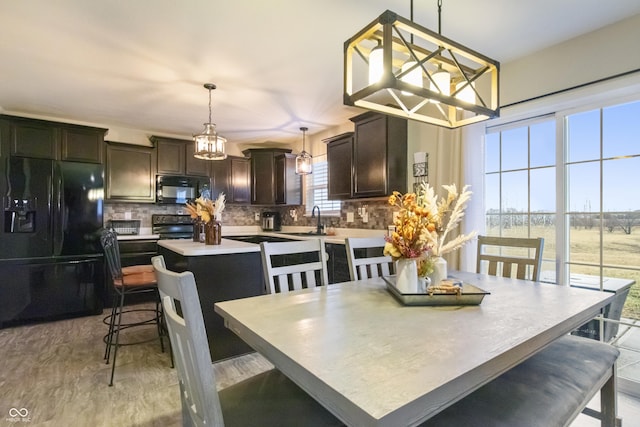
pixel 51 262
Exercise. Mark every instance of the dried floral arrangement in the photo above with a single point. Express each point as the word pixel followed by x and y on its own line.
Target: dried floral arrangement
pixel 424 222
pixel 206 209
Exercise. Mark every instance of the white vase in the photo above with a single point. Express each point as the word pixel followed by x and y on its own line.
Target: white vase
pixel 439 270
pixel 407 275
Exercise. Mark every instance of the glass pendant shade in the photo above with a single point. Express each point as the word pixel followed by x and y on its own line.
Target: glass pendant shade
pixel 414 77
pixel 443 80
pixel 209 146
pixel 375 65
pixel 303 163
pixel 304 166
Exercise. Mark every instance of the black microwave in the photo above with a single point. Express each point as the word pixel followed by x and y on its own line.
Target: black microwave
pixel 178 189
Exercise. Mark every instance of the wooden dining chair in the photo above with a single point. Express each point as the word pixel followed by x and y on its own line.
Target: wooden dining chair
pixel 268 399
pixel 366 258
pixel 509 256
pixel 128 281
pixel 294 265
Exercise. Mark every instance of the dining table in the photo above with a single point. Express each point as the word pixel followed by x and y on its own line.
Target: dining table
pixel 374 361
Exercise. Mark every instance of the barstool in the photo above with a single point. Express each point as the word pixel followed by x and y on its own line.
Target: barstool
pixel 127 281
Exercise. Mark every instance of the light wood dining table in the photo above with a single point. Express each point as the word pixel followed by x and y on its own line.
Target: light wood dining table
pixel 375 362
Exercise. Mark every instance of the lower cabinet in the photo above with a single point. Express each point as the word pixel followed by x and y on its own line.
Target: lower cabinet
pixel 338 265
pixel 221 278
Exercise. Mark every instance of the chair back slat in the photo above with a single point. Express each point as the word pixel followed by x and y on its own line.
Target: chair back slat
pixel 506 256
pixel 288 265
pixel 190 346
pixel 109 242
pixel 366 259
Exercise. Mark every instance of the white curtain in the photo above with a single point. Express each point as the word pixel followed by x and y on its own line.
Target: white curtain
pixel 455 156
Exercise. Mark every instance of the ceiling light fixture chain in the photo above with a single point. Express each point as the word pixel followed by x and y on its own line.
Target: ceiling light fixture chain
pixel 439 17
pixel 210 87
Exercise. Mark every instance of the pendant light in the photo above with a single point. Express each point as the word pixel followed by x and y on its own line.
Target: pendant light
pixel 208 144
pixel 303 160
pixel 453 85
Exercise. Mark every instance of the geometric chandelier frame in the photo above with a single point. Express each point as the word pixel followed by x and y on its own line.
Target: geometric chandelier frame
pixel 469 95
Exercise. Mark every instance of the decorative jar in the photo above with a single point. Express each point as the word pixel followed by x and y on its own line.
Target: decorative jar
pixel 439 270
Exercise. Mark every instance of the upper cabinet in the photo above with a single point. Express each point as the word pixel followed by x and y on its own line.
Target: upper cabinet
pixel 339 160
pixel 53 140
pixel 288 185
pixel 370 162
pixel 232 176
pixel 379 155
pixel 175 157
pixel 273 178
pixel 130 173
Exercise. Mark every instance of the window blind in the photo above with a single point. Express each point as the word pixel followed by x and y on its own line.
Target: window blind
pixel 317 189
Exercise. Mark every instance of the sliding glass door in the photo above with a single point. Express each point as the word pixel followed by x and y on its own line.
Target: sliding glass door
pixel 572 178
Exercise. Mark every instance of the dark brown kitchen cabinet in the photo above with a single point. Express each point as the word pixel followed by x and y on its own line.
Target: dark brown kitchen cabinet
pixel 52 140
pixel 232 176
pixel 175 157
pixel 34 138
pixel 130 173
pixel 288 185
pixel 82 144
pixel 379 155
pixel 339 161
pixel 272 182
pixel 240 191
pixel 197 167
pixel 220 174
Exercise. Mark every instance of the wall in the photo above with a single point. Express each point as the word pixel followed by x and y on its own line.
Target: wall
pixel 602 53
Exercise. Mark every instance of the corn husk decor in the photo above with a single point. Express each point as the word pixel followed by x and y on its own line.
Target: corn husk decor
pixel 206 209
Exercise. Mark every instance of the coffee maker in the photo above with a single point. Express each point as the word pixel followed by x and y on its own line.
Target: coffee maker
pixel 271 221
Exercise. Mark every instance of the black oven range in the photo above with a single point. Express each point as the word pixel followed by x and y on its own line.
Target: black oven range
pixel 172 226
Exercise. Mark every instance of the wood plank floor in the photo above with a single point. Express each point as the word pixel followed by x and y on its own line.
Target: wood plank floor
pixel 56 372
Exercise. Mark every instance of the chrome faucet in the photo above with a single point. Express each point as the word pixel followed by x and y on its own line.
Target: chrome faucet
pixel 313 215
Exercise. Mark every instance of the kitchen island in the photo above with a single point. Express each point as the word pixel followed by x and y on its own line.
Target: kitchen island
pixel 228 271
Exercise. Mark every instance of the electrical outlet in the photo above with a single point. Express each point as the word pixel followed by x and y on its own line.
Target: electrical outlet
pixel 256 216
pixel 365 217
pixel 127 215
pixel 349 216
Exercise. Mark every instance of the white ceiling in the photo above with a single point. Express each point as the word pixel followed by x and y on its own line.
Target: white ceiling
pixel 141 64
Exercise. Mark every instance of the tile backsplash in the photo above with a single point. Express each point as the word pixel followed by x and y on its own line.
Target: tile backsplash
pixel 378 214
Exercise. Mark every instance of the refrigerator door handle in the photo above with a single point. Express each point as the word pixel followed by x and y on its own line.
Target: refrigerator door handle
pixel 58 211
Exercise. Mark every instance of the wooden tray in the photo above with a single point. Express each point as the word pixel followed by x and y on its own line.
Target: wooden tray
pixel 471 295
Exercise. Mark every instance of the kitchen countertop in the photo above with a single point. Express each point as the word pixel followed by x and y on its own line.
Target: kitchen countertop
pixel 186 247
pixel 231 230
